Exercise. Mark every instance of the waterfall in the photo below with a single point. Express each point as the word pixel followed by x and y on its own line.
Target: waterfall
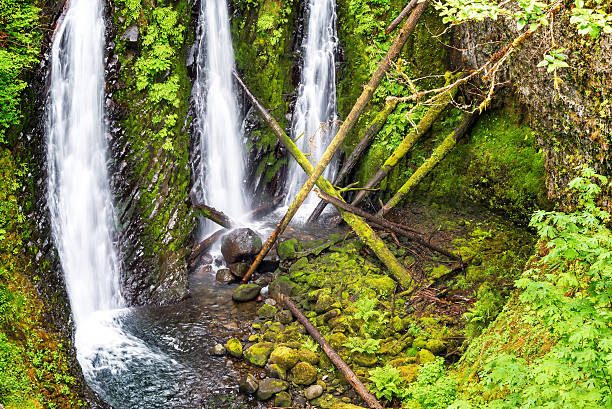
pixel 216 106
pixel 78 193
pixel 315 115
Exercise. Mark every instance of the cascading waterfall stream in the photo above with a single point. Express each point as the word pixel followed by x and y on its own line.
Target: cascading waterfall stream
pixel 115 363
pixel 218 121
pixel 79 196
pixel 315 115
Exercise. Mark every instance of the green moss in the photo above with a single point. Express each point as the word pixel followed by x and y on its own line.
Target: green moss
pixel 34 364
pixel 258 354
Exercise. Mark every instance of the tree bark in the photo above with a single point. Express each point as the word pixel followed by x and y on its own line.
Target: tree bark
pixel 364 142
pixel 346 126
pixel 211 213
pixel 333 356
pixel 386 224
pixel 438 154
pixel 415 133
pixel 361 228
pixel 401 16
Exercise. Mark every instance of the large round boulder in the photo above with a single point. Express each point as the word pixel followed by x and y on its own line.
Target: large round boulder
pixel 240 244
pixel 246 292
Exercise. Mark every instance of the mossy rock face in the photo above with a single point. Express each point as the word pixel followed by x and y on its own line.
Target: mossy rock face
pixel 409 372
pixel 246 292
pixel 304 374
pixel 424 356
pixel 234 347
pixel 284 357
pixel 267 311
pixel 287 249
pixel 259 353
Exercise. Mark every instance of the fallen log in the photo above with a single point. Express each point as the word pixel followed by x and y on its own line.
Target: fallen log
pixel 351 119
pixel 401 16
pixel 265 208
pixel 333 356
pixel 203 246
pixel 407 143
pixel 211 213
pixel 437 155
pixel 364 142
pixel 359 226
pixel 386 224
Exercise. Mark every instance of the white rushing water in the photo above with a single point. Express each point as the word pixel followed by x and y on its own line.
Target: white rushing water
pixel 79 195
pixel 218 119
pixel 315 115
pixel 80 201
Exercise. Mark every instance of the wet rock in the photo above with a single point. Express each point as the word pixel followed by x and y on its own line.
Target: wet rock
pixel 275 371
pixel 287 249
pixel 131 34
pixel 363 359
pixel 424 356
pixel 282 400
pixel 240 244
pixel 246 292
pixel 248 384
pixel 234 347
pixel 269 387
pixel 304 374
pixel 306 355
pixel 313 392
pixel 268 265
pixel 436 346
pixel 284 357
pixel 282 285
pixel 284 317
pixel 266 311
pixel 224 276
pixel 239 269
pixel 259 353
pixel 218 350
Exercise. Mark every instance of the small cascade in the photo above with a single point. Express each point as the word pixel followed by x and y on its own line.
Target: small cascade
pixel 315 115
pixel 79 197
pixel 217 114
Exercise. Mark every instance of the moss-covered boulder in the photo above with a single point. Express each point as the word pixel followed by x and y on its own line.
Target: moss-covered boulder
pixel 275 371
pixel 304 374
pixel 267 311
pixel 284 357
pixel 269 387
pixel 281 285
pixel 284 317
pixel 246 292
pixel 424 356
pixel 234 347
pixel 258 353
pixel 306 355
pixel 324 303
pixel 282 400
pixel 364 359
pixel 287 249
pixel 420 343
pixel 337 340
pixel 436 346
pixel 409 372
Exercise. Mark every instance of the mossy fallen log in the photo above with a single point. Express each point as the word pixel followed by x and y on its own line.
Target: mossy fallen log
pixel 347 125
pixel 364 143
pixel 361 228
pixel 333 355
pixel 437 155
pixel 404 147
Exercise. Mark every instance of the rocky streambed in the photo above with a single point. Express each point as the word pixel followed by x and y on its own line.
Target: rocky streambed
pixel 361 311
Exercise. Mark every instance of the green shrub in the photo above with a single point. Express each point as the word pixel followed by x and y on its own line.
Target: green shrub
pixel 387 382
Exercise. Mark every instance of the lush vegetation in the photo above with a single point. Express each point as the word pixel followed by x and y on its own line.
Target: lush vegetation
pixel 19 52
